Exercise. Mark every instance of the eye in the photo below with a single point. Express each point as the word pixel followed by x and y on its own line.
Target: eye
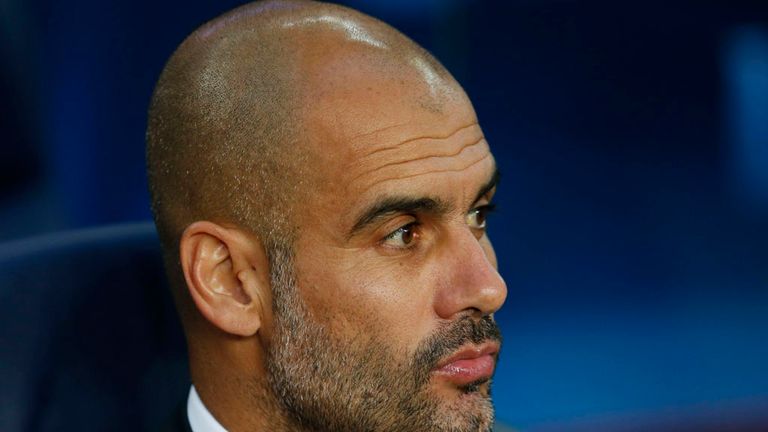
pixel 402 237
pixel 476 218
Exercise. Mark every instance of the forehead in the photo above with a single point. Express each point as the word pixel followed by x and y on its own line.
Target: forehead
pixel 415 154
pixel 381 126
pixel 375 145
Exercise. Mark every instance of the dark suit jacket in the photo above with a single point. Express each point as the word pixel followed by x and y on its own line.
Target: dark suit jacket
pixel 179 422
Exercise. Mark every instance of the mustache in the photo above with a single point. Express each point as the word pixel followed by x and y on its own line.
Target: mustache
pixel 446 341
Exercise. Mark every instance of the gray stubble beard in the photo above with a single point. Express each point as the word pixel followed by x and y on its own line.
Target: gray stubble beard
pixel 322 383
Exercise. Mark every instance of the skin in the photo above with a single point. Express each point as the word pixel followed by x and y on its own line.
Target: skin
pixel 375 148
pixel 382 121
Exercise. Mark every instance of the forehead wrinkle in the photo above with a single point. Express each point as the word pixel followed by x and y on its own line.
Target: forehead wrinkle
pixel 418 138
pixel 438 171
pixel 377 131
pixel 455 153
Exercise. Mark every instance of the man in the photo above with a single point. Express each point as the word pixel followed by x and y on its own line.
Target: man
pixel 321 185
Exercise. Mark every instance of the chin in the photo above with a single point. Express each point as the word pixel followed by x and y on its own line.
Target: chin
pixel 466 408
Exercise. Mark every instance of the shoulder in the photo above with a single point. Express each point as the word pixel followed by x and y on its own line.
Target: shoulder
pixel 178 421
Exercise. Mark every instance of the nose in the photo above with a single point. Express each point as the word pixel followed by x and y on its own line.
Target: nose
pixel 470 281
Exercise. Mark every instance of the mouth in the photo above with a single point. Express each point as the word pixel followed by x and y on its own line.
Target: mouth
pixel 471 364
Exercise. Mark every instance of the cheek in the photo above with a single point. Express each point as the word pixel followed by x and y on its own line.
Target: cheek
pixel 384 299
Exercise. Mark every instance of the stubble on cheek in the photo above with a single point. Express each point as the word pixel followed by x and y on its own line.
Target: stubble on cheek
pixel 345 373
pixel 361 383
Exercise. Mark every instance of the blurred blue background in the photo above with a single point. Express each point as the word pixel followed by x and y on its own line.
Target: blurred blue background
pixel 633 143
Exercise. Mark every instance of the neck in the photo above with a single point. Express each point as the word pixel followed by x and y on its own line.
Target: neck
pixel 237 392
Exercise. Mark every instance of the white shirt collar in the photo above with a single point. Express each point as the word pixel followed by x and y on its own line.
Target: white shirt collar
pixel 200 419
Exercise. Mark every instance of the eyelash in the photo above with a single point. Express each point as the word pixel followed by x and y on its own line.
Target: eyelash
pixel 413 226
pixel 487 208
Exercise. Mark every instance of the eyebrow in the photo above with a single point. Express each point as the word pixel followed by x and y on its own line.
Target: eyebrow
pixel 492 182
pixel 393 205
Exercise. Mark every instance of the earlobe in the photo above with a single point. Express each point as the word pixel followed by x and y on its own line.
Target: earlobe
pixel 224 269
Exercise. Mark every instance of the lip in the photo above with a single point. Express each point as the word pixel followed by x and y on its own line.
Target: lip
pixel 470 364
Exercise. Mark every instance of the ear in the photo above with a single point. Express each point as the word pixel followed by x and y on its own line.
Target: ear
pixel 227 276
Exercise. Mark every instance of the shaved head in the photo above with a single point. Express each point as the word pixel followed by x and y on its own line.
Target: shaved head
pixel 228 137
pixel 269 129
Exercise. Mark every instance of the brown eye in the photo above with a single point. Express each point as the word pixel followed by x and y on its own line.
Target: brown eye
pixel 477 217
pixel 401 237
pixel 407 235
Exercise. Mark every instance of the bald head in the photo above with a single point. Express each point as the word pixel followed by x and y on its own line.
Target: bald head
pixel 273 131
pixel 228 134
